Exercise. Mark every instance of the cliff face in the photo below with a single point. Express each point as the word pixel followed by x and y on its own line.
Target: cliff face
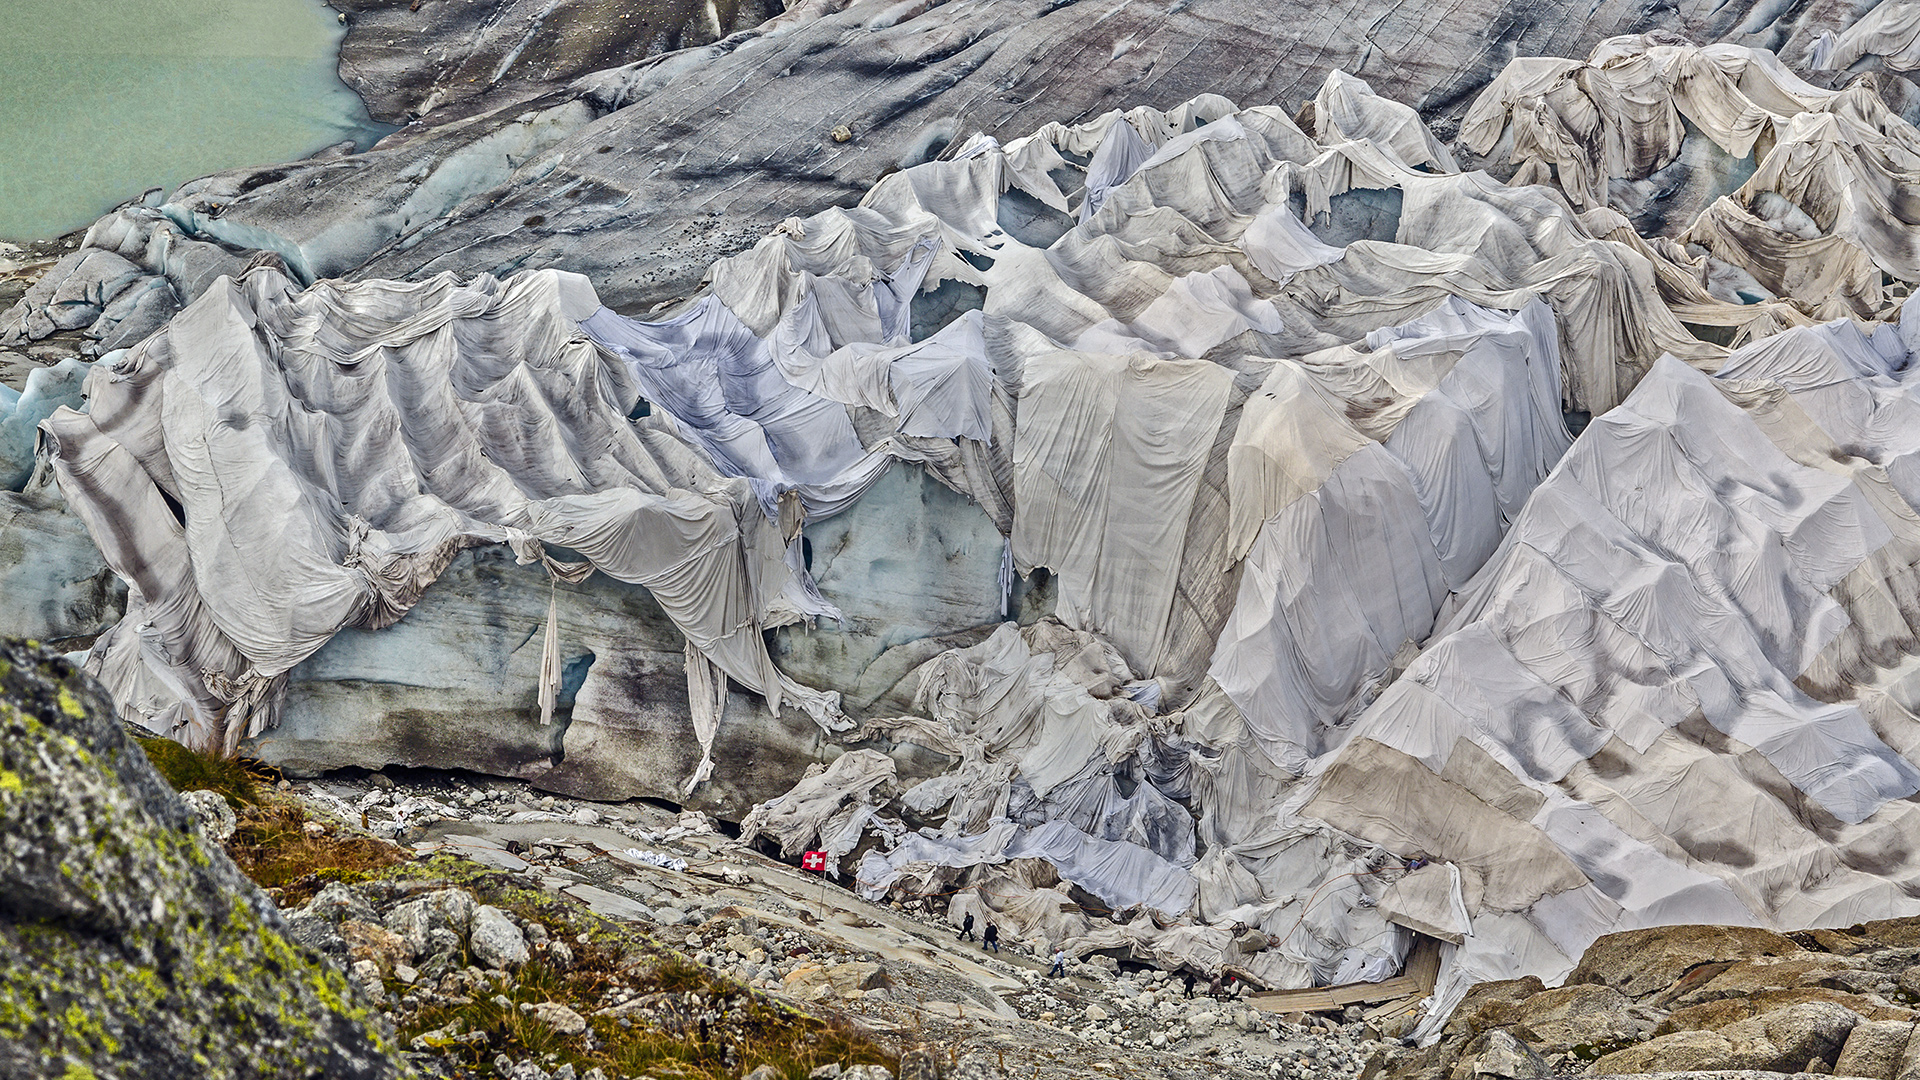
pixel 440 59
pixel 130 945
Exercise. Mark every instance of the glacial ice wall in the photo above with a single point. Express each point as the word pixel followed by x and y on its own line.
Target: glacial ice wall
pixel 1262 586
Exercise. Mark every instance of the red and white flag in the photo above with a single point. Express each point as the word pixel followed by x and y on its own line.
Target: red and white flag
pixel 815 861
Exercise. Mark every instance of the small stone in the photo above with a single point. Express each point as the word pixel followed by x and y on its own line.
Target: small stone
pixel 764 1072
pixel 558 1017
pixel 215 816
pixel 406 974
pixel 381 781
pixel 842 133
pixel 829 1071
pixel 495 941
pixel 366 974
pixel 365 941
pixel 313 828
pixel 1096 1014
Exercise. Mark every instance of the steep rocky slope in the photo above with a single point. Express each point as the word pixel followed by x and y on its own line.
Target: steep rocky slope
pixel 435 60
pixel 130 946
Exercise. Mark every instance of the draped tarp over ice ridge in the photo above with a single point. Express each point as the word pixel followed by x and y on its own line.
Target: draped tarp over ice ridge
pixel 1363 538
pixel 330 450
pixel 1106 464
pixel 1277 406
pixel 1824 212
pixel 1651 614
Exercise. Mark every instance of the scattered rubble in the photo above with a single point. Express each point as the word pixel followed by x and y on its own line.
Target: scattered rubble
pixel 889 970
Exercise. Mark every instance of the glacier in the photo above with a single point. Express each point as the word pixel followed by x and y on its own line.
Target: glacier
pixel 1141 531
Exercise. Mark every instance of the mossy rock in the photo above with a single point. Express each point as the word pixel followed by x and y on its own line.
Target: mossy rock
pixel 128 947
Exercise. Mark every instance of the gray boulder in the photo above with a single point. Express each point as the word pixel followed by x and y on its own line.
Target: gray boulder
pixel 1560 1020
pixel 1875 1048
pixel 1500 1055
pixel 127 947
pixel 338 903
pixel 449 910
pixel 215 816
pixel 558 1017
pixel 1793 1038
pixel 1790 1040
pixel 494 940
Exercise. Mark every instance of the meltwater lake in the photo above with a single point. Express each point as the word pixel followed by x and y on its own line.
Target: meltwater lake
pixel 102 99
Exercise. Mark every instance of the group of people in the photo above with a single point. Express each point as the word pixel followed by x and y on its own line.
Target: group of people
pixel 1219 989
pixel 990 939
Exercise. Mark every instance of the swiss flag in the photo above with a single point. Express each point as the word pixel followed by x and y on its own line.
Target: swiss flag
pixel 815 861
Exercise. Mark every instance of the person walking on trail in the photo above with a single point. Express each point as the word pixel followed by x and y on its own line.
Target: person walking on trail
pixel 966 929
pixel 991 939
pixel 1189 976
pixel 1059 969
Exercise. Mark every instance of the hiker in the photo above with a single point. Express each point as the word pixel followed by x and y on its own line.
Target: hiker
pixel 1059 969
pixel 1213 988
pixel 1189 976
pixel 991 939
pixel 966 929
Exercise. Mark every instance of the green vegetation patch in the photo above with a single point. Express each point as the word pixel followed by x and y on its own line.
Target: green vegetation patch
pixel 678 1017
pixel 239 781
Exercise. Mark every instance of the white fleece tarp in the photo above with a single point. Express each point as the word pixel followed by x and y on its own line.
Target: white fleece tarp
pixel 331 450
pixel 1277 410
pixel 1653 607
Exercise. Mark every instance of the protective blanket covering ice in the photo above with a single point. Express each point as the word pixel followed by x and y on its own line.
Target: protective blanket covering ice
pixel 1276 408
pixel 1702 610
pixel 1370 452
pixel 275 466
pixel 1825 211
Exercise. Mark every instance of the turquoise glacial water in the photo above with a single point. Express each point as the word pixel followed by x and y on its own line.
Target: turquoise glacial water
pixel 103 99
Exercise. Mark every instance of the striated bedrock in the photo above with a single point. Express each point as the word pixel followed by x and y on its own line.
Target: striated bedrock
pixel 1692 999
pixel 130 945
pixel 640 174
pixel 409 59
